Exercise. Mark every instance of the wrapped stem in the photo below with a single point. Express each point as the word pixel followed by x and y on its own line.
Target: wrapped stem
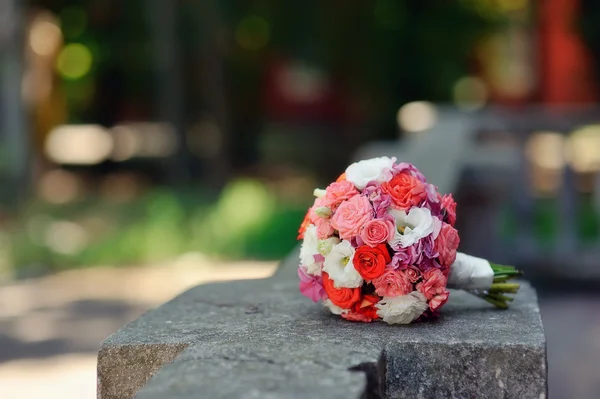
pixel 489 281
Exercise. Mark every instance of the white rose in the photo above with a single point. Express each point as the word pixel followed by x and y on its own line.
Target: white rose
pixel 309 248
pixel 325 246
pixel 338 264
pixel 411 227
pixel 334 308
pixel 374 169
pixel 402 309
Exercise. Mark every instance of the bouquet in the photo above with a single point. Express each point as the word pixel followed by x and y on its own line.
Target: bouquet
pixel 380 243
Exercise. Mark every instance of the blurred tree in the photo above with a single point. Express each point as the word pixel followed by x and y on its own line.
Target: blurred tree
pixel 14 156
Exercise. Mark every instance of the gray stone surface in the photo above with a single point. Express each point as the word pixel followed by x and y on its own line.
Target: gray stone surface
pixel 262 339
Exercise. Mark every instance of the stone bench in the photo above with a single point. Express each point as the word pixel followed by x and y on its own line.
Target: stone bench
pixel 262 339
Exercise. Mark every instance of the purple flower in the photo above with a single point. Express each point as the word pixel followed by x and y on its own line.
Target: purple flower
pixel 432 201
pixel 428 264
pixel 427 246
pixel 311 286
pixel 403 257
pixel 381 201
pixel 421 252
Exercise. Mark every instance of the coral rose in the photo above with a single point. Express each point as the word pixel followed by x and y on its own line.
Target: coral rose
pixel 439 300
pixel 304 225
pixel 413 274
pixel 363 310
pixel 447 244
pixel 378 231
pixel 406 191
pixel 449 207
pixel 370 262
pixel 393 283
pixel 338 192
pixel 351 216
pixel 342 297
pixel 434 283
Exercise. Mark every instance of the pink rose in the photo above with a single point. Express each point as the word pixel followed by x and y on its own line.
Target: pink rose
pixel 449 206
pixel 324 229
pixel 447 244
pixel 377 231
pixel 338 192
pixel 439 300
pixel 393 283
pixel 413 274
pixel 434 283
pixel 351 216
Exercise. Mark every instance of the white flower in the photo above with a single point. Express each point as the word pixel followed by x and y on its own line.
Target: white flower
pixel 402 309
pixel 374 169
pixel 334 308
pixel 338 264
pixel 325 246
pixel 309 248
pixel 411 227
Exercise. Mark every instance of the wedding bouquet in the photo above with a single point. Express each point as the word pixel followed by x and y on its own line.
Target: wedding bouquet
pixel 380 243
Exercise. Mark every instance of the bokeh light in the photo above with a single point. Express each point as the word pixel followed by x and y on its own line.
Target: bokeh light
pixel 470 93
pixel 546 150
pixel 79 144
pixel 252 33
pixel 582 149
pixel 417 116
pixel 44 37
pixel 74 61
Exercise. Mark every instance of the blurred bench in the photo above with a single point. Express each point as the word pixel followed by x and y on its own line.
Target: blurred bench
pixel 262 339
pixel 474 145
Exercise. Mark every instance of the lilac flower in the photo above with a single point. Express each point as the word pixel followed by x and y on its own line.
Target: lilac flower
pixel 403 257
pixel 381 201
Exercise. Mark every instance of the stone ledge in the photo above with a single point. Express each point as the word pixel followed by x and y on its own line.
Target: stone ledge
pixel 262 339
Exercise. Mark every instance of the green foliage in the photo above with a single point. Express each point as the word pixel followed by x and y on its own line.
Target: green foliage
pixel 547 224
pixel 246 220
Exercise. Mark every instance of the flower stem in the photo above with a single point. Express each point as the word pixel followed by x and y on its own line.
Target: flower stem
pixel 500 286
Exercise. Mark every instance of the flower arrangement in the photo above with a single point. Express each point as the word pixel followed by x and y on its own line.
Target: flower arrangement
pixel 380 243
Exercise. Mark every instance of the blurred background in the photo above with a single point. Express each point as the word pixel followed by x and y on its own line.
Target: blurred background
pixel 150 145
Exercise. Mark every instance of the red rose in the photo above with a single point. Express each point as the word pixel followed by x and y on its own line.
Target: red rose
pixel 370 262
pixel 405 190
pixel 363 310
pixel 449 206
pixel 342 297
pixel 446 245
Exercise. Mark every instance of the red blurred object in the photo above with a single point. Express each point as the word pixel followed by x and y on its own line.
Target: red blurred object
pixel 566 66
pixel 298 92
